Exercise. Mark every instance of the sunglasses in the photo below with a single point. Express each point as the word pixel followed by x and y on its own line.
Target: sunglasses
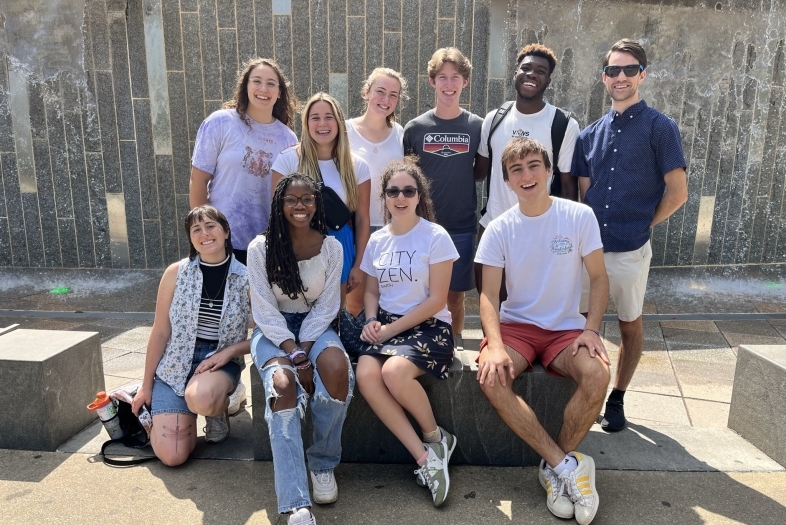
pixel 408 192
pixel 630 71
pixel 307 200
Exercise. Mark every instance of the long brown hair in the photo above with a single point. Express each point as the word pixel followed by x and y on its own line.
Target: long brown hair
pixel 341 154
pixel 285 107
pixel 409 165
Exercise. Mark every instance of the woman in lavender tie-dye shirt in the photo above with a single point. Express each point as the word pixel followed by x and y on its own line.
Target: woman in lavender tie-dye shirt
pixel 236 146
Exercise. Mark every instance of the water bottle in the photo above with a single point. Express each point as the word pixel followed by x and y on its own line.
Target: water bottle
pixel 106 408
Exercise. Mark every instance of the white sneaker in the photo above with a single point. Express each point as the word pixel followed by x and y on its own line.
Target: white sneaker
pixel 434 472
pixel 449 442
pixel 237 399
pixel 324 487
pixel 580 485
pixel 216 428
pixel 301 517
pixel 557 499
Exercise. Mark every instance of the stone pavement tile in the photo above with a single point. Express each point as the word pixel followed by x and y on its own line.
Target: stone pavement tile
pixel 748 327
pixel 677 339
pixel 645 408
pixel 697 326
pixel 654 375
pixel 134 339
pixel 112 382
pixel 653 336
pixel 769 307
pixel 706 374
pixel 778 324
pixel 707 413
pixel 109 353
pixel 130 365
pixel 56 324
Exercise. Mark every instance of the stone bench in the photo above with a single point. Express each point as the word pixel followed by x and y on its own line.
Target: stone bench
pixel 459 406
pixel 47 377
pixel 757 411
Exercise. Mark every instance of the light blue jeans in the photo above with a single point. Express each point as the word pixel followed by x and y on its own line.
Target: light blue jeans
pixel 327 417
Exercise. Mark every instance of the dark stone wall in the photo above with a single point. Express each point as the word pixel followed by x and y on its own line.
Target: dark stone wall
pixel 100 101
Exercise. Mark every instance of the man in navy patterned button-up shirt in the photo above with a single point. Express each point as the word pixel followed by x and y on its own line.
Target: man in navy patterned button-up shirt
pixel 631 172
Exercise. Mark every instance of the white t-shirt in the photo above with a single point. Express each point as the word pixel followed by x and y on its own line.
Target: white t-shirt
pixel 377 156
pixel 288 161
pixel 515 124
pixel 543 261
pixel 401 265
pixel 239 156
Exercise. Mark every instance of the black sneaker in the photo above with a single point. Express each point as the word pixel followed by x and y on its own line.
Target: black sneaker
pixel 613 417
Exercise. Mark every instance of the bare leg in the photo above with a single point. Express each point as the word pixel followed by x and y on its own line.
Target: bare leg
pixel 592 378
pixel 334 371
pixel 519 416
pixel 384 405
pixel 399 376
pixel 208 393
pixel 630 351
pixel 173 437
pixel 456 307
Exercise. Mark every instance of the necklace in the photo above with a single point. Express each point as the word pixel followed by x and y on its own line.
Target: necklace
pixel 220 289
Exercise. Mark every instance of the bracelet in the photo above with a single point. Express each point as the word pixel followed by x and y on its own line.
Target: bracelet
pixel 369 320
pixel 304 366
pixel 297 352
pixel 593 331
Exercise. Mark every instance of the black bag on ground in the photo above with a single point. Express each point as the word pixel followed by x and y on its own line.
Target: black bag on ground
pixel 136 436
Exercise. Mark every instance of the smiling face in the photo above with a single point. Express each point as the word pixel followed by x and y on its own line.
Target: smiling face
pixel 383 95
pixel 264 89
pixel 623 89
pixel 208 238
pixel 299 204
pixel 528 177
pixel 402 206
pixel 447 84
pixel 322 124
pixel 532 77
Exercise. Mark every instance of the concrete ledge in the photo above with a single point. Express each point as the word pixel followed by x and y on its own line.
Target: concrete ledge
pixel 459 406
pixel 47 377
pixel 758 411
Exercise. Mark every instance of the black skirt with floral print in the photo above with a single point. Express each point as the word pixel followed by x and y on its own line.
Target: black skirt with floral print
pixel 429 345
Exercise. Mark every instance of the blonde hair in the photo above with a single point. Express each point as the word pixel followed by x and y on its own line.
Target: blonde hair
pixel 449 54
pixel 392 73
pixel 341 154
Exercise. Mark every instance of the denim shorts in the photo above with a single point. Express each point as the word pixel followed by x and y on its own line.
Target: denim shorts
pixel 463 277
pixel 166 401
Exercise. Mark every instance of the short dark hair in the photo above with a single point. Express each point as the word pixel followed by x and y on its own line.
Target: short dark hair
pixel 520 147
pixel 538 50
pixel 202 213
pixel 630 46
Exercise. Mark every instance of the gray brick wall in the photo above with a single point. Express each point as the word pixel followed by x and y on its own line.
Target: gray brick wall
pixel 95 143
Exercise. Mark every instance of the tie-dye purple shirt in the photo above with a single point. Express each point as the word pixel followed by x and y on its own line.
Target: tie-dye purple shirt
pixel 240 158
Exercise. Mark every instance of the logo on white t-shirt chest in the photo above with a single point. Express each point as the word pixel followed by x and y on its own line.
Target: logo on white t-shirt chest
pixel 446 144
pixel 561 245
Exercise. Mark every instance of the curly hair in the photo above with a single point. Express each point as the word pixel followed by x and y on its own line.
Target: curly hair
pixel 280 261
pixel 391 73
pixel 449 54
pixel 285 108
pixel 538 50
pixel 206 212
pixel 409 165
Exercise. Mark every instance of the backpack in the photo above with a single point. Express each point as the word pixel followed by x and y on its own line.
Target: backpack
pixel 558 128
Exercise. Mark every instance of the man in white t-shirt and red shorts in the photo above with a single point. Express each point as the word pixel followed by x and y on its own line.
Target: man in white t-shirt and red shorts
pixel 547 241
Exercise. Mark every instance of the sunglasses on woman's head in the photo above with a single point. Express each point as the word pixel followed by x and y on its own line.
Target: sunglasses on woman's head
pixel 408 192
pixel 630 71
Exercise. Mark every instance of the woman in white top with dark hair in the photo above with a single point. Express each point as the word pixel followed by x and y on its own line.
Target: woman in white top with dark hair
pixel 376 137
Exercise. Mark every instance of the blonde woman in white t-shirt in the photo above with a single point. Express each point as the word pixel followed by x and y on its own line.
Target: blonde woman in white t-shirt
pixel 376 137
pixel 408 331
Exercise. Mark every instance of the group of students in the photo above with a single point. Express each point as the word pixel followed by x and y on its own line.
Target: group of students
pixel 264 248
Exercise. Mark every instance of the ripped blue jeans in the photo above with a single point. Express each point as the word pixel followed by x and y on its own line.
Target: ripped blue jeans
pixel 327 417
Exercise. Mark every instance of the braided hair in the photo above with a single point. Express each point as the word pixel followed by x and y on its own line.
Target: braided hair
pixel 280 262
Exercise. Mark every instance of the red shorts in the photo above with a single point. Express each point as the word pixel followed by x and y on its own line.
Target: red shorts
pixel 533 342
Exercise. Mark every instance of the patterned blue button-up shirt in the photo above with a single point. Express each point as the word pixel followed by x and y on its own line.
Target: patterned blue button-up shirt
pixel 626 156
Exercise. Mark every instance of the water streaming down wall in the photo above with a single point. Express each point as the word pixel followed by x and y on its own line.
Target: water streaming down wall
pixel 100 101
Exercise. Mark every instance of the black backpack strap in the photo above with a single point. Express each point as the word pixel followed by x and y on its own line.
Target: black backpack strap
pixel 503 110
pixel 128 442
pixel 558 128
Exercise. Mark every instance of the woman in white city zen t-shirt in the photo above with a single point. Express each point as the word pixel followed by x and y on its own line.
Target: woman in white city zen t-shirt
pixel 408 265
pixel 323 152
pixel 376 137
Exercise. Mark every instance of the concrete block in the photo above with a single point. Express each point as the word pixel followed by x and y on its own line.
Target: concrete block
pixel 757 411
pixel 47 378
pixel 459 406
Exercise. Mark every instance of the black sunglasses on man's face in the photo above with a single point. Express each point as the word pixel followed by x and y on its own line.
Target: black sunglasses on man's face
pixel 630 71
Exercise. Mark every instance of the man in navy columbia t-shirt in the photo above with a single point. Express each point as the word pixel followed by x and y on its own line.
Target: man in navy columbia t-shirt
pixel 631 172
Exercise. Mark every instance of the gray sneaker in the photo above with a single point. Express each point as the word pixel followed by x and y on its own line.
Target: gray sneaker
pixel 449 442
pixel 216 428
pixel 434 473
